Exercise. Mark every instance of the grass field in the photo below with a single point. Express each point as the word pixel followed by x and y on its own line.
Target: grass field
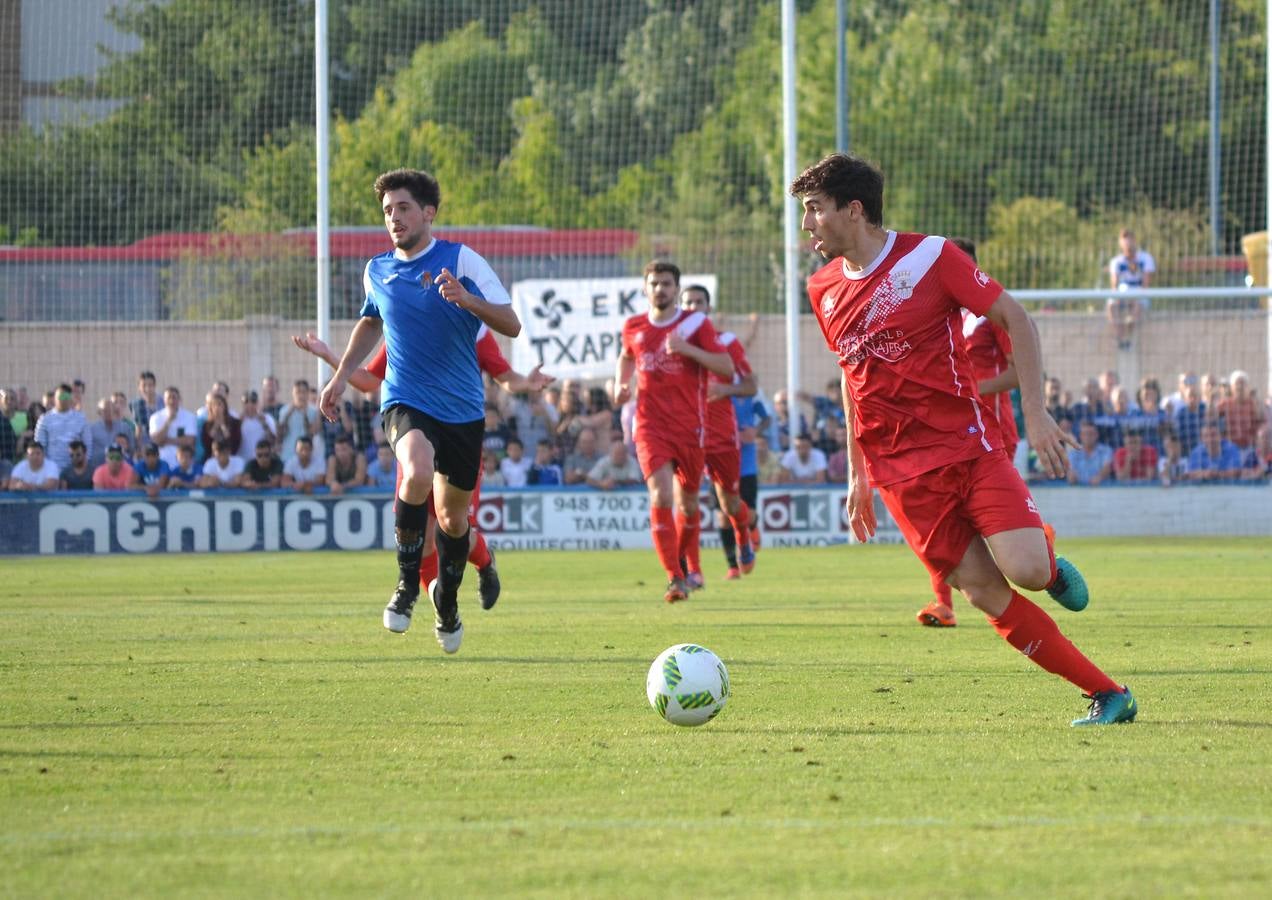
pixel 243 726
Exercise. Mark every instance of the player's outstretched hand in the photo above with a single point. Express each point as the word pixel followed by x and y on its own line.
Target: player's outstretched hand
pixel 1050 443
pixel 861 514
pixel 453 291
pixel 311 343
pixel 329 401
pixel 538 379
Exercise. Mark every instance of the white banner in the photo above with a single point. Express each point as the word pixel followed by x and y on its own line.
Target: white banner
pixel 573 327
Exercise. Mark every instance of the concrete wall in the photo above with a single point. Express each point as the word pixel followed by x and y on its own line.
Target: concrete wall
pixel 108 356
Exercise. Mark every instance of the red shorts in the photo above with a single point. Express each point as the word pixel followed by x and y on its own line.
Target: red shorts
pixel 941 512
pixel 724 467
pixel 686 458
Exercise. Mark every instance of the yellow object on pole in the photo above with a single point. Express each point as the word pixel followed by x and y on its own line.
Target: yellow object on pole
pixel 1255 248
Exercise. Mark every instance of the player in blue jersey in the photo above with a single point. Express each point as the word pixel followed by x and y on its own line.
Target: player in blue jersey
pixel 427 297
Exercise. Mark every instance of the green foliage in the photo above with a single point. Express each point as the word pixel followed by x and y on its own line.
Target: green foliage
pixel 992 120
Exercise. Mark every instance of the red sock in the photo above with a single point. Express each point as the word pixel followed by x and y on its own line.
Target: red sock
pixel 687 541
pixel 662 526
pixel 479 556
pixel 741 524
pixel 1050 534
pixel 428 568
pixel 942 592
pixel 1034 633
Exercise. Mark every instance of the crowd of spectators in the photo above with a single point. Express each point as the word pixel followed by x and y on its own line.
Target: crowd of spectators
pixel 1206 429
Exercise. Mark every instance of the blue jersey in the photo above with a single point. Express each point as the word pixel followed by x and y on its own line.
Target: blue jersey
pixel 430 343
pixel 744 409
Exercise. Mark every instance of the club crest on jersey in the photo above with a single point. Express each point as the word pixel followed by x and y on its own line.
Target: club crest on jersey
pixel 828 304
pixel 902 284
pixel 981 278
pixel 426 280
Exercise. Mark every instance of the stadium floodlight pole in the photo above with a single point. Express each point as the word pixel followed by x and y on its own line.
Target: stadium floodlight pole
pixel 322 232
pixel 1216 221
pixel 791 230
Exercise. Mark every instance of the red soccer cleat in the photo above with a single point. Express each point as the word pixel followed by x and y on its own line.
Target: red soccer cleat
pixel 936 615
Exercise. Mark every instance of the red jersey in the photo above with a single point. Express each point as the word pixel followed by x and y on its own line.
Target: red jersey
pixel 896 327
pixel 489 357
pixel 989 349
pixel 722 421
pixel 671 390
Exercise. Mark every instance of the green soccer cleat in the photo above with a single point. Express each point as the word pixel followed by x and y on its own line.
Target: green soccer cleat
pixel 1069 588
pixel 1109 708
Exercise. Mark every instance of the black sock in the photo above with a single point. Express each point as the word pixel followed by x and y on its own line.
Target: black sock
pixel 729 544
pixel 452 556
pixel 409 531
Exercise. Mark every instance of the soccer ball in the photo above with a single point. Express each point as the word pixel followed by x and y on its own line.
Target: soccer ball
pixel 687 685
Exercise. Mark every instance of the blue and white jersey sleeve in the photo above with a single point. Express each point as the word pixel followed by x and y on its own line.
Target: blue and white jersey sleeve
pixel 369 306
pixel 479 278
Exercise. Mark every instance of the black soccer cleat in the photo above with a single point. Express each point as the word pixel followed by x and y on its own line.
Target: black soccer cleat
pixel 488 583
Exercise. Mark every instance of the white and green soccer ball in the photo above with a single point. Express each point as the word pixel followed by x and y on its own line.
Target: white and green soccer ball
pixel 687 685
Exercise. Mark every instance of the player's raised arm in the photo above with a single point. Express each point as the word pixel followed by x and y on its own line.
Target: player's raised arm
pixel 360 379
pixel 1045 436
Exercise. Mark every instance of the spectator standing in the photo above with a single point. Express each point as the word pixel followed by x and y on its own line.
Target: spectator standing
pixel 496 434
pixel 298 419
pixel 1135 462
pixel 269 397
pixel 8 435
pixel 1093 408
pixel 143 406
pixel 304 471
pixel 115 474
pixel 1134 267
pixel 1173 403
pixel 106 430
pixel 617 468
pixel 36 472
pixel 255 426
pixel 1241 415
pixel 1189 418
pixel 61 425
pixel 1092 462
pixel 516 465
pixel 1213 459
pixel 171 426
pixel 837 462
pixel 220 425
pixel 15 412
pixel 533 418
pixel 1152 419
pixel 264 470
pixel 804 463
pixel 78 476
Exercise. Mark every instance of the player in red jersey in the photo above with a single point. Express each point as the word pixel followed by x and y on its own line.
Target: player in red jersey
pixel 989 351
pixel 890 307
pixel 670 351
pixel 492 361
pixel 723 449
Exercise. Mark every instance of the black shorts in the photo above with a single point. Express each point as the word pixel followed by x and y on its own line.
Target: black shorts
pixel 456 445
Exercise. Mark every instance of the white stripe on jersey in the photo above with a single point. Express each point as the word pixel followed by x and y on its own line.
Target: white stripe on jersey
pixel 914 264
pixel 958 388
pixel 687 326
